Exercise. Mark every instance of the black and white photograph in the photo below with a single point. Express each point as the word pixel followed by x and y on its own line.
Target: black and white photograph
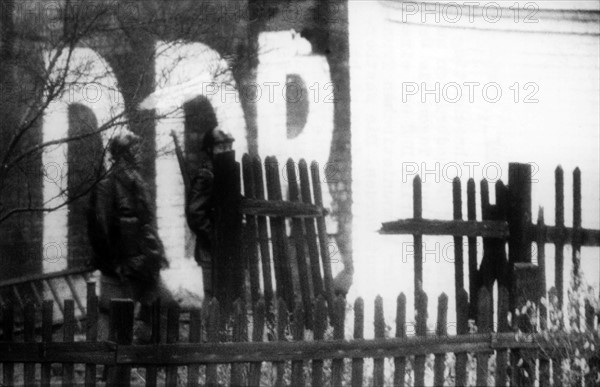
pixel 334 193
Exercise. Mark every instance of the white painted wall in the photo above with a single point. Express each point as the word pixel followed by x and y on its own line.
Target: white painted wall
pixel 387 131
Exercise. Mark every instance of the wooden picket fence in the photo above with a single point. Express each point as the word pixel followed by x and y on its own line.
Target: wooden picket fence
pixel 518 276
pixel 509 221
pixel 252 351
pixel 252 238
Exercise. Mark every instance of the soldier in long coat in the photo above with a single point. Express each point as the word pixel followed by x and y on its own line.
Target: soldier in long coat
pixel 121 226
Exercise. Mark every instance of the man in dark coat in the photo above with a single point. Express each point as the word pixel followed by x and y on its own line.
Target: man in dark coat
pixel 200 206
pixel 121 226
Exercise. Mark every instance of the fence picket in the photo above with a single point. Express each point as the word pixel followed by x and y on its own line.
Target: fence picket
pixel 337 365
pixel 400 362
pixel 263 234
pixel 502 354
pixel 69 325
pixel 441 331
pixel 47 310
pixel 250 232
pixel 212 328
pixel 282 323
pixel 239 335
pixel 151 371
pixel 462 328
pixel 281 254
pixel 323 239
pixel 541 258
pixel 298 334
pixel 557 372
pixel 172 337
pixel 29 336
pixel 484 325
pixel 257 336
pixel 120 332
pixel 472 250
pixel 418 238
pixel 320 325
pixel 91 330
pixel 378 365
pixel 458 245
pixel 421 328
pixel 194 337
pixel 576 243
pixel 8 317
pixel 359 323
pixel 559 222
pixel 576 249
pixel 298 237
pixel 311 234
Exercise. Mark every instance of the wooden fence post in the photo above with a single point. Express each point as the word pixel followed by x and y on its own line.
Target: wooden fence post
pixel 8 320
pixel 559 222
pixel 378 377
pixel 473 269
pixel 298 237
pixel 337 365
pixel 263 234
pixel 502 355
pixel 282 323
pixel 320 325
pixel 121 332
pixel 417 238
pixel 281 254
pixel 359 323
pixel 172 338
pixel 194 337
pixel 462 328
pixel 151 370
pixel 212 332
pixel 251 233
pixel 29 336
pixel 227 261
pixel 441 331
pixel 91 331
pixel 69 324
pixel 258 330
pixel 458 240
pixel 239 335
pixel 311 233
pixel 519 212
pixel 484 325
pixel 47 310
pixel 400 362
pixel 421 321
pixel 298 334
pixel 323 240
pixel 519 244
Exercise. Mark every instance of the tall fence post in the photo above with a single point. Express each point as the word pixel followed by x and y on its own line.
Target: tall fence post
pixel 526 282
pixel 228 279
pixel 121 332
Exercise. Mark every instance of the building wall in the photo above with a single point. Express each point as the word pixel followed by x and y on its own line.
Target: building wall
pixel 397 134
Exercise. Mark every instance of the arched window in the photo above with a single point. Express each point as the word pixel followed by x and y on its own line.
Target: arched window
pixel 85 159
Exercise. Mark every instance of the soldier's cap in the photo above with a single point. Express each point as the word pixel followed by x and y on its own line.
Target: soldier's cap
pixel 214 137
pixel 123 142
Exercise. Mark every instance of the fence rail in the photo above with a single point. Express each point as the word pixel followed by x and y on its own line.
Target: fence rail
pixel 293 357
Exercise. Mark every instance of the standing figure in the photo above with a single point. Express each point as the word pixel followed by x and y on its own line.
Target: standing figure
pixel 121 227
pixel 200 206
